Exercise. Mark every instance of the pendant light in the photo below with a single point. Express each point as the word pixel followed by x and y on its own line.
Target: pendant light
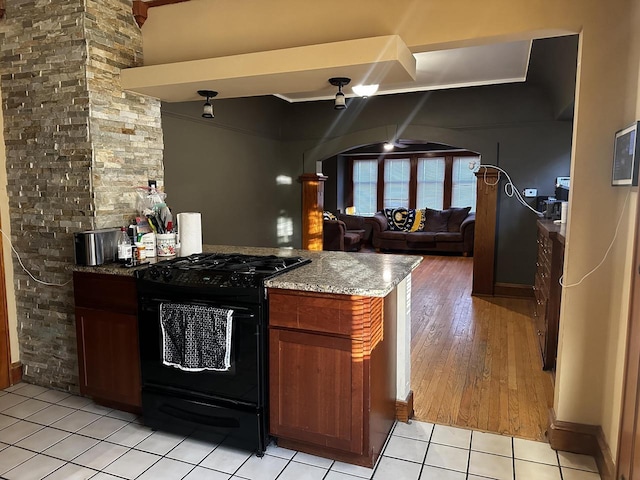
pixel 207 109
pixel 340 102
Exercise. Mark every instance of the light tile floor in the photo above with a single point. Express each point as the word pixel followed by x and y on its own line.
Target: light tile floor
pixel 48 434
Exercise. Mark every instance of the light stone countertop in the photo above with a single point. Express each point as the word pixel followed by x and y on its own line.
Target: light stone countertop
pixel 345 273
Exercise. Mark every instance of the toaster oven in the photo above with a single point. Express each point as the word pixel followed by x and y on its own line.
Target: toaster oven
pixel 95 247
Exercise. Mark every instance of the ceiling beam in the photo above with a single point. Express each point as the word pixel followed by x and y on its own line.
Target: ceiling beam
pixel 384 59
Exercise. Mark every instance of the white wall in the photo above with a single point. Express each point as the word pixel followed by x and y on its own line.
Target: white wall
pixel 594 313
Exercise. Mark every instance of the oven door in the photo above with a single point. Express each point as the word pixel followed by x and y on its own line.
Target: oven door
pixel 243 383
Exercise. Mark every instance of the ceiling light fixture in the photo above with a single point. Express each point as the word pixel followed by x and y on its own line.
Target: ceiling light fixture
pixel 388 146
pixel 340 102
pixel 365 90
pixel 207 109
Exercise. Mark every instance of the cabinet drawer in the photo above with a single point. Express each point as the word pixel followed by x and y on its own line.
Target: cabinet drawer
pixel 108 292
pixel 349 316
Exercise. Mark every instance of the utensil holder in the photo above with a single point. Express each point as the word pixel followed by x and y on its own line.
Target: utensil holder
pixel 166 244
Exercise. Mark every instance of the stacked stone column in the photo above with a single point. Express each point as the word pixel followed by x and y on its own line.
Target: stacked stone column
pixel 76 147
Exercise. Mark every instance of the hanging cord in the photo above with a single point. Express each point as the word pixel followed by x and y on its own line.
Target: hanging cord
pixel 606 254
pixel 25 268
pixel 510 189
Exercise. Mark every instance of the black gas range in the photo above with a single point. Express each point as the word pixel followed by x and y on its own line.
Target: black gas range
pixel 202 327
pixel 218 273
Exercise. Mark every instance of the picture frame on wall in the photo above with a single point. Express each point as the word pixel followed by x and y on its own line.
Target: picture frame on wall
pixel 626 155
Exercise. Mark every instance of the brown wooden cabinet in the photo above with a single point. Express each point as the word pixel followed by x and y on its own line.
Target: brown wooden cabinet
pixel 107 334
pixel 548 290
pixel 332 374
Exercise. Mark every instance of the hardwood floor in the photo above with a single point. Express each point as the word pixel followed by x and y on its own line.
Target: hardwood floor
pixel 475 361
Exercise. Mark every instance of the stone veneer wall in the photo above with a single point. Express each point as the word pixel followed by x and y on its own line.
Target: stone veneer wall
pixel 76 146
pixel 125 128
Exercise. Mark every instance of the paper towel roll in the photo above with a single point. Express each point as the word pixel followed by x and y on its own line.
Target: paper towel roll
pixel 190 233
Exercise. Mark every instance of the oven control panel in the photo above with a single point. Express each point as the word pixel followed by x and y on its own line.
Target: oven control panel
pixel 200 278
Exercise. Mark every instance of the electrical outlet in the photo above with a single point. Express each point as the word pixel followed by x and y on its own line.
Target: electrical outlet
pixel 530 192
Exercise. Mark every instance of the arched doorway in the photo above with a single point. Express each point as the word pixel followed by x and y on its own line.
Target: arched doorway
pixel 422 137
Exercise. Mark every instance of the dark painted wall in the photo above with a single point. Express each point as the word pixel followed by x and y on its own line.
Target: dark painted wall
pixel 227 168
pixel 332 192
pixel 552 66
pixel 233 170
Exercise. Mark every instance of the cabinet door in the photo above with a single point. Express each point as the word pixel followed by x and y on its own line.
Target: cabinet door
pixel 108 353
pixel 316 389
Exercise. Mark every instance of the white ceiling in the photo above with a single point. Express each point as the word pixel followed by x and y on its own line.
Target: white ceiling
pixel 459 67
pixel 301 74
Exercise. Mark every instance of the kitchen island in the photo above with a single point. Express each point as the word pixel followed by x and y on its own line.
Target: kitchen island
pixel 339 336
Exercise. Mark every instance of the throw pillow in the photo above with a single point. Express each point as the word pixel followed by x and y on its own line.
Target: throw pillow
pixel 456 217
pixel 415 220
pixel 396 218
pixel 328 216
pixel 436 220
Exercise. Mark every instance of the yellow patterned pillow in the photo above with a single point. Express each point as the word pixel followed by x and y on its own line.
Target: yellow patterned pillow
pixel 405 220
pixel 415 221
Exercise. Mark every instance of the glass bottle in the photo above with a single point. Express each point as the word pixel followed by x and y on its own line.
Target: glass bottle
pixel 124 246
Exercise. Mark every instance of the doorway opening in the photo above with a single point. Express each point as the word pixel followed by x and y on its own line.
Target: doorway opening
pixel 474 360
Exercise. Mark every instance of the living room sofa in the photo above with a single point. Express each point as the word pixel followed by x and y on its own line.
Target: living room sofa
pixel 400 229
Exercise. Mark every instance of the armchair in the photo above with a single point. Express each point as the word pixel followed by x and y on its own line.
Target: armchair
pixel 346 233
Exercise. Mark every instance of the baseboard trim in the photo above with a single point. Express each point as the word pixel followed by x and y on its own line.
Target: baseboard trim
pixel 404 409
pixel 15 373
pixel 584 439
pixel 513 290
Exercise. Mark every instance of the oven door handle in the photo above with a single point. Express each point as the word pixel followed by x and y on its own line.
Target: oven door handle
pixel 211 420
pixel 239 313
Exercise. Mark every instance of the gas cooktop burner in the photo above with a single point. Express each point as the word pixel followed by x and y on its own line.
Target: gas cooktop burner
pixel 234 262
pixel 219 269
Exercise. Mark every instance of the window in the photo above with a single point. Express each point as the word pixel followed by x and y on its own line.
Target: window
pixel 397 173
pixel 463 183
pixel 430 183
pixel 436 180
pixel 365 186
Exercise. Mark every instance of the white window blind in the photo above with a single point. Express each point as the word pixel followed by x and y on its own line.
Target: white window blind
pixel 463 188
pixel 396 182
pixel 365 186
pixel 430 183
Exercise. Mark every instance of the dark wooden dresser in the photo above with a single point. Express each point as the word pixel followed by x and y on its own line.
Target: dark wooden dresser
pixel 547 289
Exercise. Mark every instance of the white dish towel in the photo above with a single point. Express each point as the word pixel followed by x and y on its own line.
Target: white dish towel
pixel 196 337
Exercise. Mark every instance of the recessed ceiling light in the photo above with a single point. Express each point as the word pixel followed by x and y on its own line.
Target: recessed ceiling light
pixel 365 90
